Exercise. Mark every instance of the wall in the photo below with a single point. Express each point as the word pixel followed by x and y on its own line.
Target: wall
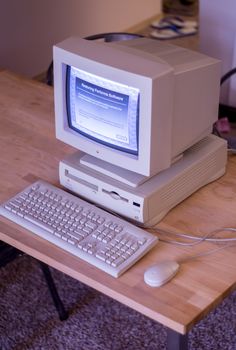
pixel 28 29
pixel 218 39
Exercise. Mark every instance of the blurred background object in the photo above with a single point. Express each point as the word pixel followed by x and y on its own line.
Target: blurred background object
pixel 181 7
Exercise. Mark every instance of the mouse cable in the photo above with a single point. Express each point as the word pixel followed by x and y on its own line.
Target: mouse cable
pixel 203 254
pixel 197 240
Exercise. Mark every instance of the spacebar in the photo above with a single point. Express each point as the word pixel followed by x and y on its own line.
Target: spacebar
pixel 39 223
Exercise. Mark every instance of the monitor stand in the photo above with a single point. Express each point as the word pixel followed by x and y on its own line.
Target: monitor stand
pixel 120 174
pixel 149 202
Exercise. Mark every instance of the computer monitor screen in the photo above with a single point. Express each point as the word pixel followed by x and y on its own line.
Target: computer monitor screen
pixel 103 110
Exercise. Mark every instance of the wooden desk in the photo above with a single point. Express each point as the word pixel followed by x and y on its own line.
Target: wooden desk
pixel 29 150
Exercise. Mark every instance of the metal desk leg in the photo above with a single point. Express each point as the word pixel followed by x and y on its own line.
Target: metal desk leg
pixel 176 341
pixel 63 314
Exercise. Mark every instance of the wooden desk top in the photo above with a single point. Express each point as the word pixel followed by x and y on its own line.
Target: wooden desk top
pixel 29 150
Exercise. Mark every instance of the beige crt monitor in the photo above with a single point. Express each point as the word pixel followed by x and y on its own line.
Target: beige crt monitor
pixel 136 109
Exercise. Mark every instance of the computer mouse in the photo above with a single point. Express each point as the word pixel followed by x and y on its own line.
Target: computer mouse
pixel 161 273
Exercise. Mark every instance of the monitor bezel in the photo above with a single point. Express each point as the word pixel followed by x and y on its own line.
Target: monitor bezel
pixel 155 83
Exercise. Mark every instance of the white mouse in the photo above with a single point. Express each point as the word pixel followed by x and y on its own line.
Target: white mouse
pixel 160 273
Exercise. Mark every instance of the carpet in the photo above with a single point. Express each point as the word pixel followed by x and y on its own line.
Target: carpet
pixel 29 320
